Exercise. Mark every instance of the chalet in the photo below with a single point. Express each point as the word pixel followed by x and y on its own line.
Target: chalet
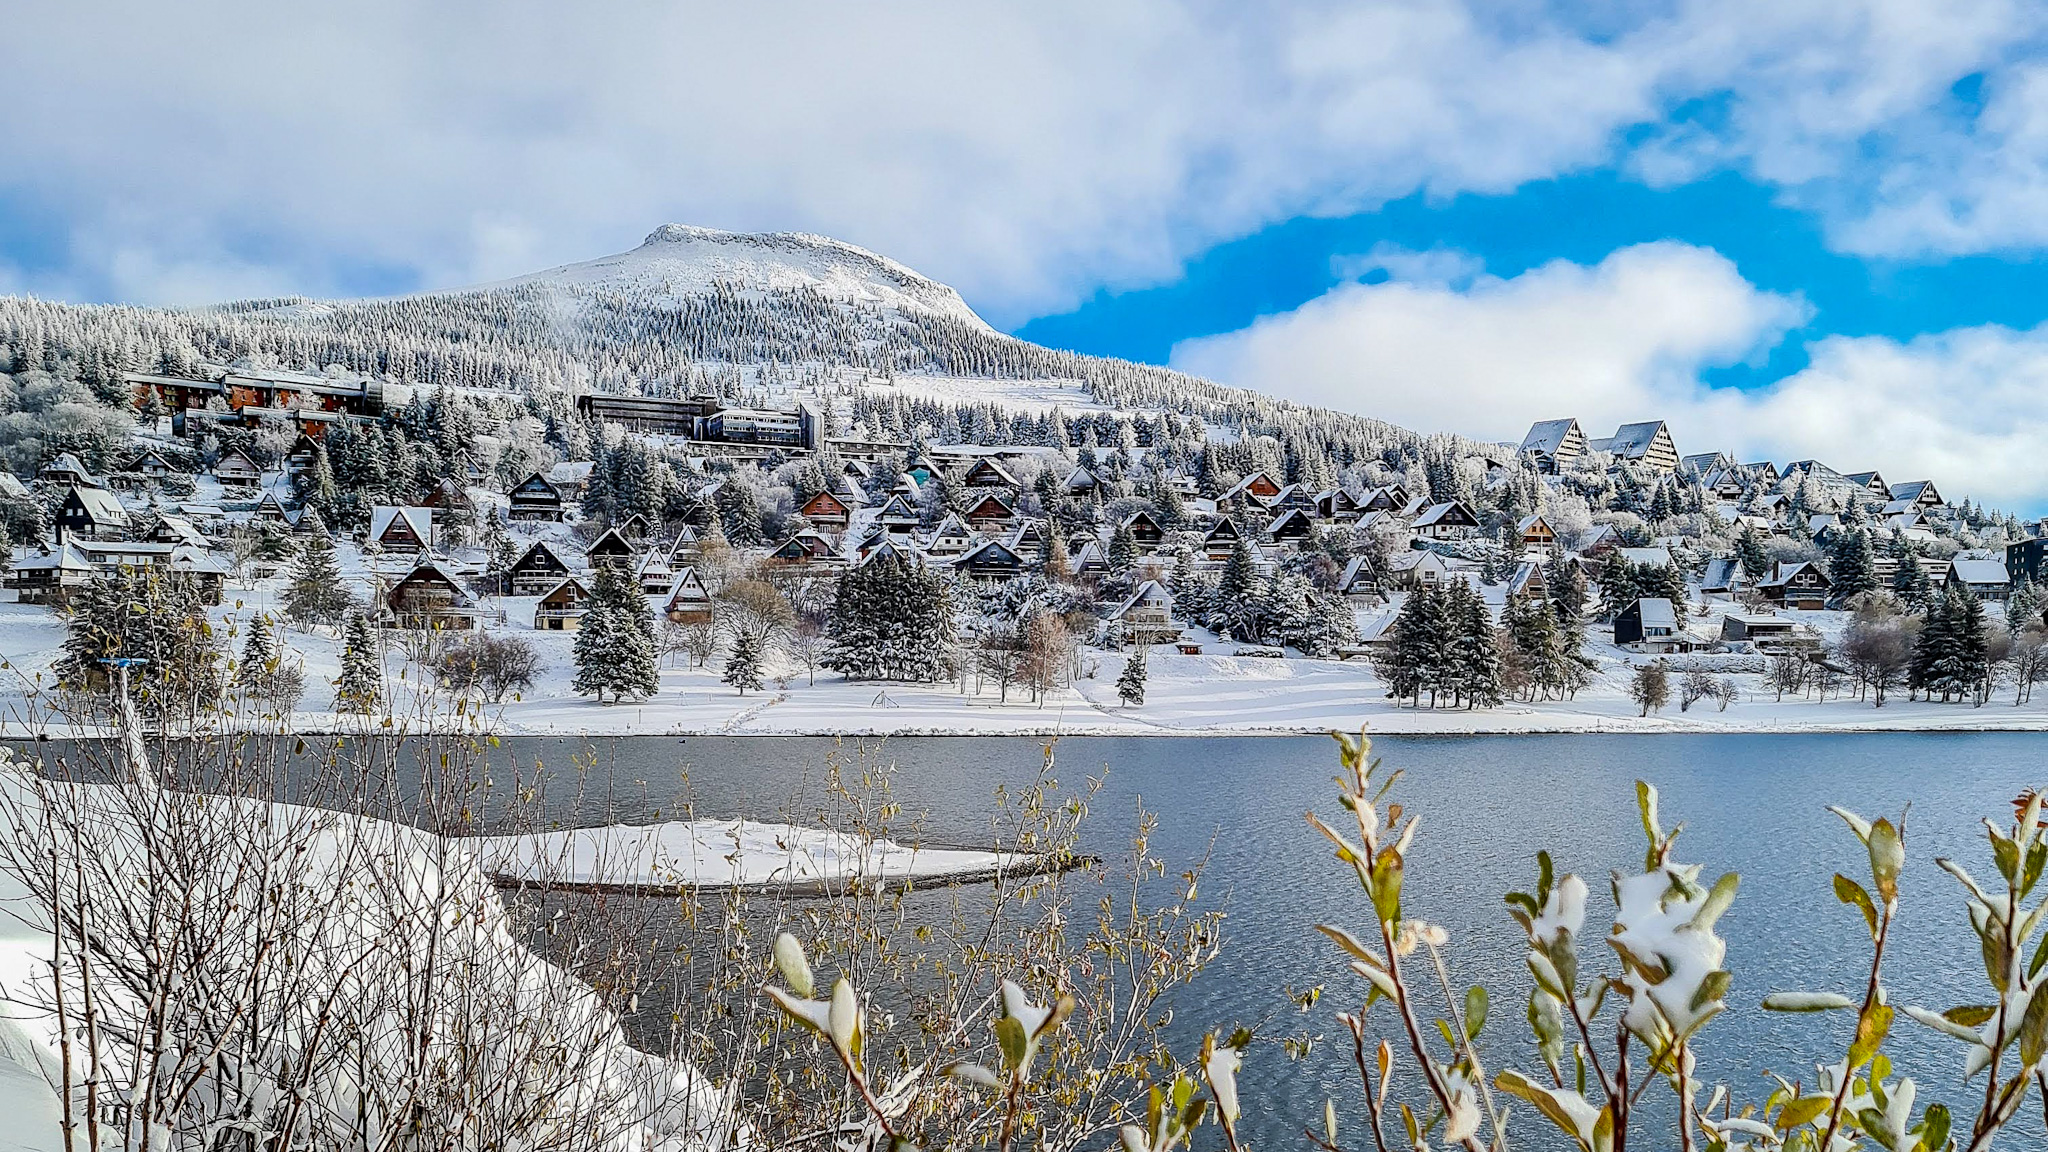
pixel 271 510
pixel 64 468
pixel 989 560
pixel 1701 465
pixel 198 570
pixel 1647 444
pixel 1603 539
pixel 303 457
pixel 535 498
pixel 1257 488
pixel 429 597
pixel 611 550
pixel 1651 626
pixel 1726 576
pixel 1144 529
pixel 1872 483
pixel 1727 485
pixel 1414 569
pixel 685 548
pixel 1088 560
pixel 234 468
pixel 1293 496
pixel 897 514
pixel 1551 444
pixel 172 529
pixel 1030 540
pixel 401 529
pixel 1535 532
pixel 987 473
pixel 151 464
pixel 51 578
pixel 1361 578
pixel 1800 585
pixel 1291 526
pixel 11 487
pixel 1763 632
pixel 1081 481
pixel 633 528
pixel 1386 498
pixel 689 602
pixel 448 495
pixel 1337 504
pixel 1920 492
pixel 1146 617
pixel 892 548
pixel 1764 472
pixel 826 511
pixel 1221 540
pixel 537 570
pixel 571 478
pixel 809 546
pixel 1985 579
pixel 1450 520
pixel 90 514
pixel 1528 584
pixel 562 606
pixel 878 538
pixel 654 573
pixel 991 512
pixel 950 538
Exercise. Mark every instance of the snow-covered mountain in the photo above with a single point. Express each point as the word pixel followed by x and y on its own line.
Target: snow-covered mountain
pixel 678 261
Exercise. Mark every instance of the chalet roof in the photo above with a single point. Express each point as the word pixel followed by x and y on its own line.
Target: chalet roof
pixel 952 525
pixel 990 464
pixel 1913 490
pixel 420 520
pixel 997 498
pixel 891 546
pixel 1147 517
pixel 539 553
pixel 1704 463
pixel 1546 436
pixel 1723 572
pixel 653 562
pixel 1089 555
pixel 65 558
pixel 431 570
pixel 233 456
pixel 1244 486
pixel 1225 529
pixel 1284 518
pixel 1448 512
pixel 618 545
pixel 898 507
pixel 181 530
pixel 536 481
pixel 1080 480
pixel 1863 479
pixel 100 504
pixel 1357 568
pixel 1417 558
pixel 11 486
pixel 1783 574
pixel 822 499
pixel 1632 440
pixel 1526 573
pixel 987 551
pixel 1987 572
pixel 567 583
pixel 1657 613
pixel 142 458
pixel 1901 507
pixel 186 558
pixel 688 586
pixel 67 464
pixel 1529 522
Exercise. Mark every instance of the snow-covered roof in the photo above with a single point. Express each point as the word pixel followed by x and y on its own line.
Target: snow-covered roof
pixel 1151 592
pixel 1437 513
pixel 1545 436
pixel 420 520
pixel 1657 613
pixel 1988 572
pixel 1632 440
pixel 101 505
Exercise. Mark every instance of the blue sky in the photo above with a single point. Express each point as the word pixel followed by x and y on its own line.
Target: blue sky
pixel 1789 227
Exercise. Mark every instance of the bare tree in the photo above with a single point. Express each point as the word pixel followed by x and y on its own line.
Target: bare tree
pixel 808 642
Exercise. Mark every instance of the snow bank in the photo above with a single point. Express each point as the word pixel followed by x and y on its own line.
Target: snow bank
pixel 727 854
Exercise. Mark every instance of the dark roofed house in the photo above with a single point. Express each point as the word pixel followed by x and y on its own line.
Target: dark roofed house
pixel 429 597
pixel 1291 525
pixel 236 469
pixel 989 560
pixel 1258 488
pixel 1450 520
pixel 1647 443
pixel 611 550
pixel 1651 626
pixel 1554 443
pixel 1535 532
pixel 1701 465
pixel 897 513
pixel 992 511
pixel 150 463
pixel 1919 492
pixel 1871 482
pixel 1800 585
pixel 91 514
pixel 1385 498
pixel 988 473
pixel 1360 577
pixel 1144 529
pixel 535 498
pixel 1221 540
pixel 536 571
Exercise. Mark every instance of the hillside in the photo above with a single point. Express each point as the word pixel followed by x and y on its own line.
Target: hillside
pixel 689 310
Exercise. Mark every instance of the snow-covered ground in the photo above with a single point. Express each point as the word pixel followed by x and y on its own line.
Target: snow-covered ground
pixel 724 854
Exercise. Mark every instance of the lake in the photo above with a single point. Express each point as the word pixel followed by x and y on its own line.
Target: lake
pixel 1754 804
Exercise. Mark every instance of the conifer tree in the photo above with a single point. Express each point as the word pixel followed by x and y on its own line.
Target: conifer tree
pixel 1475 653
pixel 2023 608
pixel 620 659
pixel 258 656
pixel 1123 550
pixel 1749 547
pixel 1130 685
pixel 892 619
pixel 1238 592
pixel 1852 564
pixel 361 686
pixel 597 642
pixel 317 594
pixel 1621 584
pixel 743 664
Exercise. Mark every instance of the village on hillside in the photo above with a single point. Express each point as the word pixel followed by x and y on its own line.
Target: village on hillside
pixel 336 543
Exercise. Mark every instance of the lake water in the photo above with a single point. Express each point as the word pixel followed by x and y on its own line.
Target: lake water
pixel 1754 804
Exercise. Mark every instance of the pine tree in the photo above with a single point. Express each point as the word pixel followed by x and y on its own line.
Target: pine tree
pixel 259 656
pixel 2023 608
pixel 1130 686
pixel 1749 547
pixel 621 659
pixel 361 686
pixel 1476 652
pixel 1852 565
pixel 1621 584
pixel 1123 550
pixel 317 594
pixel 1238 592
pixel 743 664
pixel 892 619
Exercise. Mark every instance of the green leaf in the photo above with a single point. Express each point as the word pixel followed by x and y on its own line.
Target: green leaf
pixel 2006 855
pixel 795 969
pixel 1386 886
pixel 2037 857
pixel 2034 1029
pixel 1801 1111
pixel 1871 1029
pixel 1011 1039
pixel 1970 1015
pixel 1717 902
pixel 1646 803
pixel 1712 987
pixel 1887 858
pixel 1934 1128
pixel 1475 1011
pixel 1850 892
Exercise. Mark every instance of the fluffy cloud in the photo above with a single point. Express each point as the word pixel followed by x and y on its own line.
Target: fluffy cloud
pixel 1026 153
pixel 1627 339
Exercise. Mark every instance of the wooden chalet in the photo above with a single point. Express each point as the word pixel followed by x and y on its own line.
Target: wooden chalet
pixel 1257 488
pixel 173 529
pixel 1081 481
pixel 1535 532
pixel 1800 585
pixel 685 549
pixel 633 528
pixel 1984 579
pixel 448 495
pixel 992 512
pixel 1221 540
pixel 429 597
pixel 1145 529
pixel 235 469
pixel 1921 492
pixel 809 546
pixel 51 578
pixel 689 602
pixel 987 473
pixel 1700 465
pixel 571 478
pixel 1529 584
pixel 897 514
pixel 611 550
pixel 1088 560
pixel 562 606
pixel 1338 504
pixel 1389 498
pixel 64 468
pixel 536 571
pixel 1146 617
pixel 303 457
pixel 1652 625
pixel 950 538
pixel 1451 520
pixel 989 560
pixel 402 529
pixel 1360 578
pixel 1030 540
pixel 91 514
pixel 271 510
pixel 1414 569
pixel 1293 496
pixel 654 573
pixel 150 463
pixel 1292 526
pixel 826 511
pixel 535 498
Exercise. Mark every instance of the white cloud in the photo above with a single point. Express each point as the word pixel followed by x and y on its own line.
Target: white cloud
pixel 1627 339
pixel 1026 153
